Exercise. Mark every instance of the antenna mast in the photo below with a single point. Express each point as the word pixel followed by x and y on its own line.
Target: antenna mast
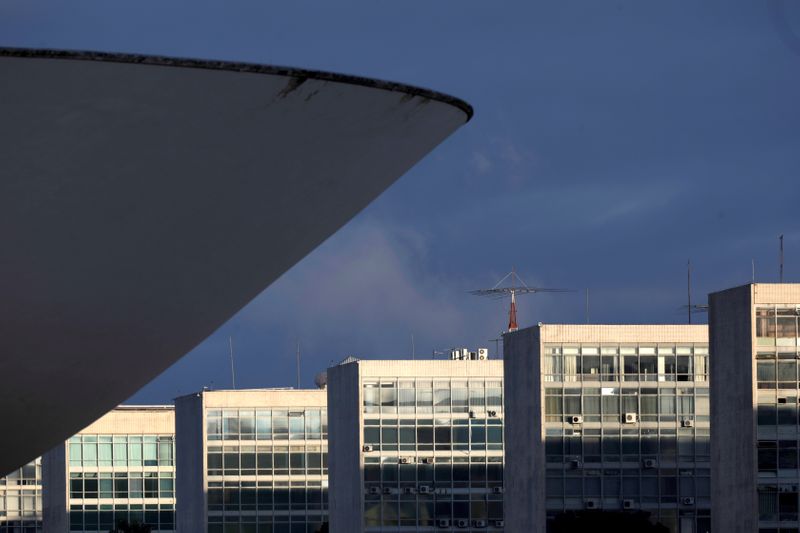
pixel 298 364
pixel 517 286
pixel 689 288
pixel 781 271
pixel 233 370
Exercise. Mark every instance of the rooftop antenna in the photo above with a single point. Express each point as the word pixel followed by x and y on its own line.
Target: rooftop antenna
pixel 298 363
pixel 516 286
pixel 690 307
pixel 781 270
pixel 413 349
pixel 233 370
pixel 587 305
pixel 753 264
pixel 434 353
pixel 497 345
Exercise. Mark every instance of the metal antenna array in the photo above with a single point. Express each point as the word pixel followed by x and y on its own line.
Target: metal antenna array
pixel 514 286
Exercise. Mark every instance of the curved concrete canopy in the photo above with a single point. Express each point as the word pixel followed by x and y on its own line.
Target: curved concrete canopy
pixel 144 200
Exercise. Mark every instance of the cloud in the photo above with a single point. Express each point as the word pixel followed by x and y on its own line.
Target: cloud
pixel 367 289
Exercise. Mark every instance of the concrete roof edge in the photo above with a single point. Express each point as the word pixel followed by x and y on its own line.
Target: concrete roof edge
pixel 236 66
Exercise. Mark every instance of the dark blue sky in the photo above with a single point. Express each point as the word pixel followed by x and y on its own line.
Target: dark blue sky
pixel 612 141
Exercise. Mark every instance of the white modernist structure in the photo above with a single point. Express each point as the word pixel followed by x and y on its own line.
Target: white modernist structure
pixel 145 200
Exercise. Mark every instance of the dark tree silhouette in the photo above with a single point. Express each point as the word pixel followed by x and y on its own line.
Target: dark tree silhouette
pixel 595 521
pixel 124 526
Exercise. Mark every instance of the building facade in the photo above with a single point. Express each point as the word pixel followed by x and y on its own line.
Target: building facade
pixel 416 445
pixel 120 468
pixel 608 417
pixel 252 461
pixel 21 500
pixel 756 478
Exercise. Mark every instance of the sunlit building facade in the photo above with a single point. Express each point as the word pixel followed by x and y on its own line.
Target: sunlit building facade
pixel 755 337
pixel 417 445
pixel 121 468
pixel 252 461
pixel 21 500
pixel 609 418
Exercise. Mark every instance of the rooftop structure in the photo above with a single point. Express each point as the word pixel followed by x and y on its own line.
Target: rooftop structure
pixel 147 199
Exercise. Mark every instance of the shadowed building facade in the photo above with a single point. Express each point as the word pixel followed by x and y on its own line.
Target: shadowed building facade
pixel 119 468
pixel 608 418
pixel 252 461
pixel 416 445
pixel 754 338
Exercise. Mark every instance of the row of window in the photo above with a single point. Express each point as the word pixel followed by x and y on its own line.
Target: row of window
pixel 664 488
pixel 102 518
pixel 20 503
pixel 266 424
pixel 461 435
pixel 311 524
pixel 777 323
pixel 785 413
pixel 778 503
pixel 121 485
pixel 437 475
pixel 648 405
pixel 30 474
pixel 427 512
pixel 277 461
pixel 665 368
pixel 780 374
pixel 615 448
pixel 20 526
pixel 426 396
pixel 776 455
pixel 121 450
pixel 267 500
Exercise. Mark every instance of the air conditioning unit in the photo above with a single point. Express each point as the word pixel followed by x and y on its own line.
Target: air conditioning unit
pixel 577 419
pixel 649 463
pixel 631 418
pixel 472 414
pixel 628 504
pixel 425 489
pixel 442 522
pixel 687 500
pixel 464 353
pixel 462 523
pixel 479 523
pixel 497 490
pixel 591 504
pixel 387 490
pixel 409 490
pixel 688 423
pixel 575 463
pixel 491 413
pixel 483 354
pixel 473 356
pixel 499 523
pixel 404 460
pixel 368 447
pixel 374 490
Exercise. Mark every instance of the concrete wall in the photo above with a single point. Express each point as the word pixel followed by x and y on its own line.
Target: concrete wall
pixel 524 461
pixel 191 509
pixel 55 515
pixel 346 495
pixel 734 462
